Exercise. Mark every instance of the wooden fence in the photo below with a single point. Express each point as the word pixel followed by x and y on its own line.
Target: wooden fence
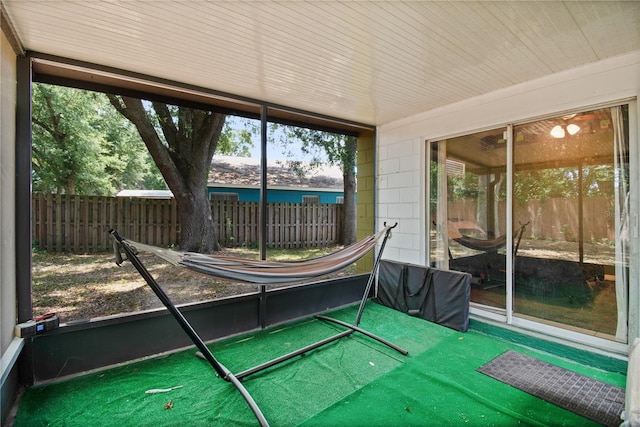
pixel 81 223
pixel 554 219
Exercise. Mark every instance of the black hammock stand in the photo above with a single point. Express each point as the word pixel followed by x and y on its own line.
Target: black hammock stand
pixel 206 354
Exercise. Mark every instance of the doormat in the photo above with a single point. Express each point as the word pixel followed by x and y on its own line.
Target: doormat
pixel 593 399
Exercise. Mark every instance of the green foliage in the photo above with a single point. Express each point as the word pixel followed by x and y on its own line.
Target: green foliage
pixel 67 149
pixel 464 187
pixel 543 184
pixel 237 140
pixel 129 163
pixel 81 145
pixel 322 147
pixel 596 181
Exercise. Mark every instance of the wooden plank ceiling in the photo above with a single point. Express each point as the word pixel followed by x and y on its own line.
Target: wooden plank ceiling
pixel 370 62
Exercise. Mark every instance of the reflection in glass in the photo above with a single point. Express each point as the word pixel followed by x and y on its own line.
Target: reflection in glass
pixel 468 184
pixel 572 193
pixel 570 216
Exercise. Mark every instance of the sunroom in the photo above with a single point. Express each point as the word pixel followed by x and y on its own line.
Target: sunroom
pixel 501 137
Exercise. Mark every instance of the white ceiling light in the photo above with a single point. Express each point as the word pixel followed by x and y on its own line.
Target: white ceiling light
pixel 573 129
pixel 558 131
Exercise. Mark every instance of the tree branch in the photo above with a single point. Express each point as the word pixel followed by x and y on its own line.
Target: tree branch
pixel 133 110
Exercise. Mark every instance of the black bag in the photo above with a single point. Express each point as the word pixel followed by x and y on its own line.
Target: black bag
pixel 439 296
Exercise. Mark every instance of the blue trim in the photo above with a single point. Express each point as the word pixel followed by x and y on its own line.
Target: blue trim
pixel 279 195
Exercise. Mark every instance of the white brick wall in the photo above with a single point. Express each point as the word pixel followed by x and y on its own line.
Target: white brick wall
pixel 399 198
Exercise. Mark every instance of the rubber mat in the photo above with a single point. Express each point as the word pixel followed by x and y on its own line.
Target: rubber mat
pixel 591 398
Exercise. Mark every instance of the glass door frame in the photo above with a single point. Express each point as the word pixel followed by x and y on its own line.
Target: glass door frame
pixel 507 316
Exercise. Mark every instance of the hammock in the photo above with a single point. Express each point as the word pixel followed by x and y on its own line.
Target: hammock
pixel 485 245
pixel 259 272
pixel 265 272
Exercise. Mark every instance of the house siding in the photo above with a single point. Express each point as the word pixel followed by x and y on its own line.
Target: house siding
pixel 278 196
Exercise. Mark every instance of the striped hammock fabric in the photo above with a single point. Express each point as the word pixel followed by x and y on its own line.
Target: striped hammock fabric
pixel 265 272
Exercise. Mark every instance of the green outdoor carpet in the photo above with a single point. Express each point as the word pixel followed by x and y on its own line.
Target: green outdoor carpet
pixel 352 382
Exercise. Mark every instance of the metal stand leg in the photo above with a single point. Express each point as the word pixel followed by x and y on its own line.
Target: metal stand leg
pixel 220 369
pixel 363 302
pixel 352 328
pixel 372 276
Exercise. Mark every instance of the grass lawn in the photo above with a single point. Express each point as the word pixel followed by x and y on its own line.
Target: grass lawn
pixel 92 285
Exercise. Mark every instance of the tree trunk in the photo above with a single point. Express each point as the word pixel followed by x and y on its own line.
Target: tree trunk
pixel 184 158
pixel 196 221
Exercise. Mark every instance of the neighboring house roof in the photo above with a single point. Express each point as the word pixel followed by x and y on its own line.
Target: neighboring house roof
pixel 245 172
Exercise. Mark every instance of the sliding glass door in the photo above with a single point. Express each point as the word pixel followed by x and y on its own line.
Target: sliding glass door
pixel 571 176
pixel 538 213
pixel 468 214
